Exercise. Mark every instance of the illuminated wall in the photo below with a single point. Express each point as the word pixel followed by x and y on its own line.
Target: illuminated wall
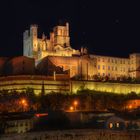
pixel 21 83
pixel 112 66
pixel 105 87
pixel 62 84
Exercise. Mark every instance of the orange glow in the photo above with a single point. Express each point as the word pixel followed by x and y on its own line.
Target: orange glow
pixel 130 106
pixel 23 101
pixel 75 103
pixel 71 108
pixel 41 114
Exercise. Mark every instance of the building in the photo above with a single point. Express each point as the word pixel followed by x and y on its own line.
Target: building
pixel 80 64
pixel 57 45
pixel 16 122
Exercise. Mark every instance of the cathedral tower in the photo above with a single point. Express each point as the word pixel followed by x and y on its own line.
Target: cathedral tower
pixel 61 35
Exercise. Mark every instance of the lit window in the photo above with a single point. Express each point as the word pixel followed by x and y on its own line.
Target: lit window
pixel 117 125
pixel 111 125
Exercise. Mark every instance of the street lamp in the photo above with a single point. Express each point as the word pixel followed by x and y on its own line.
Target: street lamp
pixel 75 104
pixel 23 103
pixel 71 108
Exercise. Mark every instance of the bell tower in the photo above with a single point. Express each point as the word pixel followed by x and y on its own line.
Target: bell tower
pixel 61 35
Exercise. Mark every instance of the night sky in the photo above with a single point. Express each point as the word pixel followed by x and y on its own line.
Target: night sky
pixel 104 27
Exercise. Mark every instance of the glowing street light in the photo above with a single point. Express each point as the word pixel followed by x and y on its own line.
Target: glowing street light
pixel 75 104
pixel 71 108
pixel 23 103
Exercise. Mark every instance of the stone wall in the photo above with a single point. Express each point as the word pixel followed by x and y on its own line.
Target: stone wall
pixel 105 87
pixel 84 134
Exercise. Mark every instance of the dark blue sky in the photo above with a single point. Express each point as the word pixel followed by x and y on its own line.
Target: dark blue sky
pixel 104 27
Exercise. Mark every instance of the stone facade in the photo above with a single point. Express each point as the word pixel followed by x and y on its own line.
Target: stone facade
pixel 57 45
pixel 61 54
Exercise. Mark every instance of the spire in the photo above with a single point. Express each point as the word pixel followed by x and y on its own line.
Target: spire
pixel 43 36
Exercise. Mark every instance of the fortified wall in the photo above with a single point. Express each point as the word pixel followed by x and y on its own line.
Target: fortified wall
pixel 61 83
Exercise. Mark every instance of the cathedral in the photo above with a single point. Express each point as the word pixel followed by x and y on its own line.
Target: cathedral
pixel 58 44
pixel 57 49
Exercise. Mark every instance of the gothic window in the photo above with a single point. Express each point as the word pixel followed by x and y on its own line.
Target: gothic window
pixel 112 61
pixel 112 68
pixel 108 59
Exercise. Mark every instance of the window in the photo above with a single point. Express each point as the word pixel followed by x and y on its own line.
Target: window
pixel 98 67
pixel 108 59
pixel 103 60
pixel 103 67
pixel 108 67
pixel 116 61
pixel 116 68
pixel 112 61
pixel 112 68
pixel 110 125
pixel 117 125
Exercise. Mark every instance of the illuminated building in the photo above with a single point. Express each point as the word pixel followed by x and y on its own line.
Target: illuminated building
pixel 59 52
pixel 57 45
pixel 58 64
